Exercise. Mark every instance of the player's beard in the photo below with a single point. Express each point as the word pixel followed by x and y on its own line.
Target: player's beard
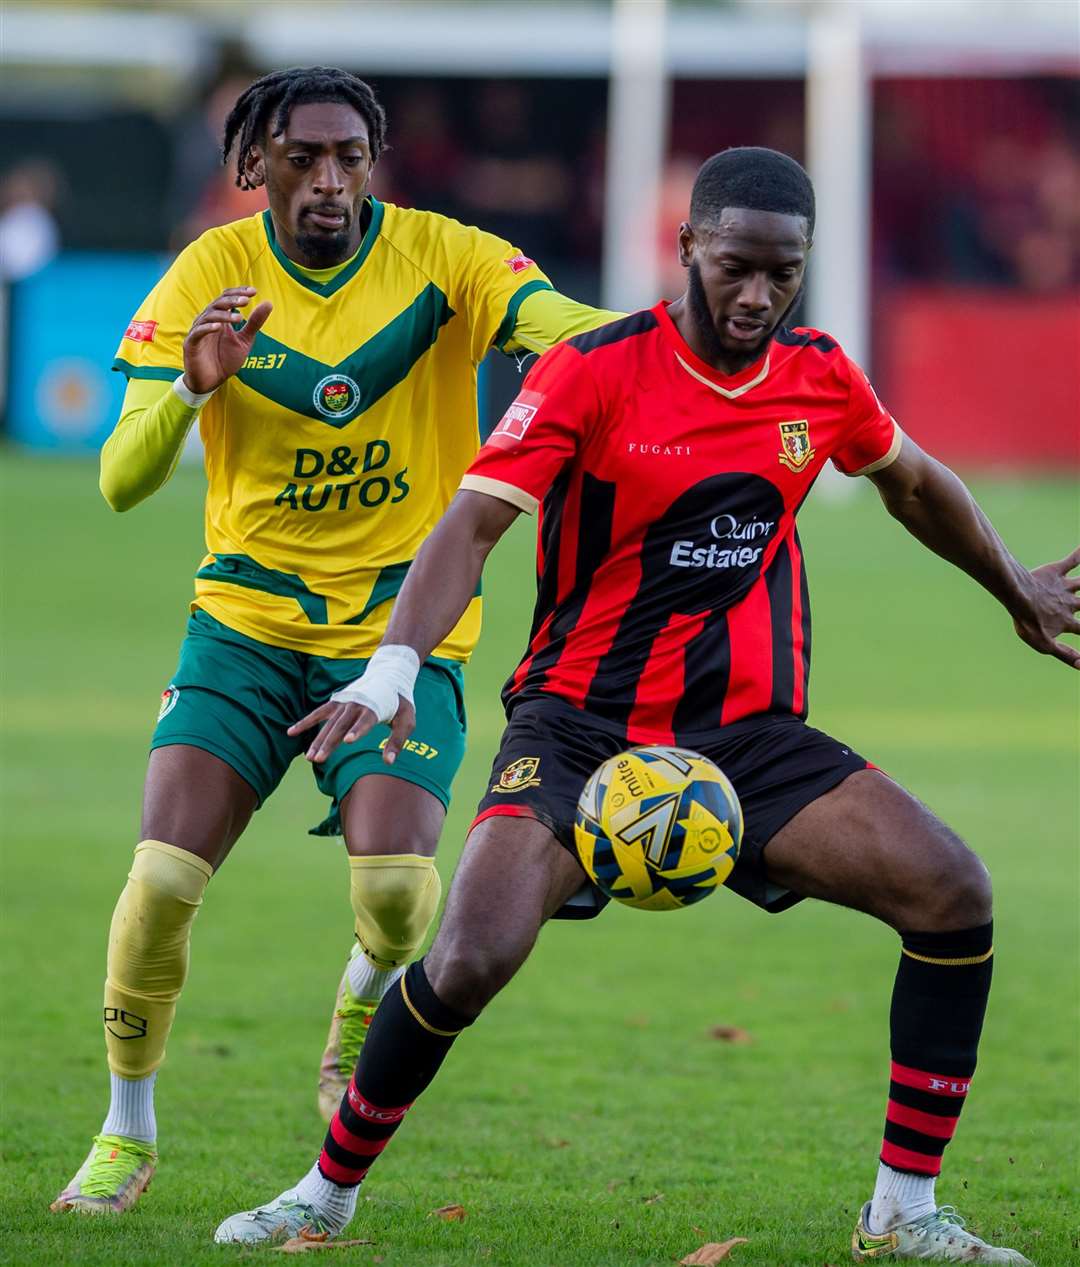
pixel 324 250
pixel 707 332
pixel 702 318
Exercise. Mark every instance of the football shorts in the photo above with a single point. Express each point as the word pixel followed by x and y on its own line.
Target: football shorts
pixel 235 697
pixel 776 763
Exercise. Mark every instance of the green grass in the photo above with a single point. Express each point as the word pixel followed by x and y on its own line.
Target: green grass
pixel 591 1085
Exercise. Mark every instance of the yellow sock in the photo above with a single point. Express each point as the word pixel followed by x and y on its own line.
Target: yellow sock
pixel 148 954
pixel 395 897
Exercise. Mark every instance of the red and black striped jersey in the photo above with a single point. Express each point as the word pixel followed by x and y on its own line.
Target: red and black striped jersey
pixel 671 594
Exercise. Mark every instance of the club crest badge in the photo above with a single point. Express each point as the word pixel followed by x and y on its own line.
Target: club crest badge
pixel 169 696
pixel 795 438
pixel 518 775
pixel 336 396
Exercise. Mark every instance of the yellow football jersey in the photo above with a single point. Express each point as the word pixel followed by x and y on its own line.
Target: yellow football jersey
pixel 333 452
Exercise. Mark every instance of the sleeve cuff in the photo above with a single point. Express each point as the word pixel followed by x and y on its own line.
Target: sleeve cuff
pixel 885 460
pixel 193 400
pixel 504 492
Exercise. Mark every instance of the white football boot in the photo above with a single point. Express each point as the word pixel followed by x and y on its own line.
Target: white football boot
pixel 279 1220
pixel 938 1238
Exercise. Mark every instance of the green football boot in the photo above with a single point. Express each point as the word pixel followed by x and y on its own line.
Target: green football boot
pixel 940 1237
pixel 111 1179
pixel 348 1029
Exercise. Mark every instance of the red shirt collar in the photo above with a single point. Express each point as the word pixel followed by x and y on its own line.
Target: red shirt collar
pixel 730 385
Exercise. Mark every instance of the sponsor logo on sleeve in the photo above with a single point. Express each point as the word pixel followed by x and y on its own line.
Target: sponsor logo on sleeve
pixel 519 263
pixel 141 331
pixel 515 422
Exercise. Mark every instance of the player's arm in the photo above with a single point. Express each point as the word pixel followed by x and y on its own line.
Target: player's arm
pixel 439 586
pixel 546 317
pixel 144 448
pixel 935 506
pixel 156 416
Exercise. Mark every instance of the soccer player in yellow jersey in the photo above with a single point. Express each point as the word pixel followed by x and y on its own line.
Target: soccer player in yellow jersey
pixel 337 420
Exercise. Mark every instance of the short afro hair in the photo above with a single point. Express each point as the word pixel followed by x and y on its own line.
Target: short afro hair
pixel 754 178
pixel 268 102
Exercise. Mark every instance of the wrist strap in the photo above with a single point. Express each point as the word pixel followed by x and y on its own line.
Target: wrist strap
pixel 389 677
pixel 193 400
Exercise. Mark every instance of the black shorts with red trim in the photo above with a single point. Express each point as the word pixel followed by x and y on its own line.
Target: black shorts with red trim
pixel 776 763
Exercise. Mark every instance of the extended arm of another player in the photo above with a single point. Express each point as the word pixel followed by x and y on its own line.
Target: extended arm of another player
pixel 144 448
pixel 934 505
pixel 547 317
pixel 440 584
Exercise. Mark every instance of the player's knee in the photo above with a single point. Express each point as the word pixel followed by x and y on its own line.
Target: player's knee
pixel 957 893
pixel 152 921
pixel 394 898
pixel 967 895
pixel 467 973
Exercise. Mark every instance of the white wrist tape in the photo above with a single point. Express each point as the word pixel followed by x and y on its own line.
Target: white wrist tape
pixel 193 400
pixel 389 676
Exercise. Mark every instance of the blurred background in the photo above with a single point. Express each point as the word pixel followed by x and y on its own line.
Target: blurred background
pixel 944 140
pixel 943 135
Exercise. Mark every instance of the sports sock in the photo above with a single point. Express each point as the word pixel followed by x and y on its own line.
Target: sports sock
pixel 131 1109
pixel 148 954
pixel 899 1196
pixel 938 1005
pixel 333 1202
pixel 409 1038
pixel 366 979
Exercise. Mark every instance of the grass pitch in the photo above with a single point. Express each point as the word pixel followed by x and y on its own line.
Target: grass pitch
pixel 589 1118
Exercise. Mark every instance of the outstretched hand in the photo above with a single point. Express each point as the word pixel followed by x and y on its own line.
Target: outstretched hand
pixel 346 723
pixel 1053 604
pixel 214 348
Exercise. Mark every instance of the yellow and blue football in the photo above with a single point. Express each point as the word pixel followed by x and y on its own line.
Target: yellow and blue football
pixel 658 828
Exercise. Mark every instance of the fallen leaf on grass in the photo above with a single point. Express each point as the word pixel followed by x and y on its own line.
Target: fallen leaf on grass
pixel 656 1196
pixel 450 1213
pixel 731 1034
pixel 712 1253
pixel 309 1240
pixel 557 1143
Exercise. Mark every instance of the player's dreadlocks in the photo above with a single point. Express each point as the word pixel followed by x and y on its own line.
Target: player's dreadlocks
pixel 269 101
pixel 755 178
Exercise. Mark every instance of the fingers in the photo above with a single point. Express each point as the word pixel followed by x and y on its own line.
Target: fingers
pixel 348 721
pixel 256 321
pixel 400 729
pixel 313 718
pixel 221 311
pixel 1069 562
pixel 1069 655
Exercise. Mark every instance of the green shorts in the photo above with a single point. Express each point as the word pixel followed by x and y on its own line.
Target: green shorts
pixel 235 697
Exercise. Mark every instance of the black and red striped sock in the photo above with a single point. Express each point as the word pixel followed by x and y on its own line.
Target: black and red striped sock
pixel 409 1037
pixel 938 1005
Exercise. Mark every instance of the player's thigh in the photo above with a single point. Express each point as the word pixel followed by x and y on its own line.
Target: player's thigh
pixel 513 876
pixel 195 801
pixel 384 814
pixel 871 845
pixel 220 746
pixel 383 809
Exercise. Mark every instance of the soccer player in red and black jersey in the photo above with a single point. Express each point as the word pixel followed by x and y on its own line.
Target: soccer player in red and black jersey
pixel 668 454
